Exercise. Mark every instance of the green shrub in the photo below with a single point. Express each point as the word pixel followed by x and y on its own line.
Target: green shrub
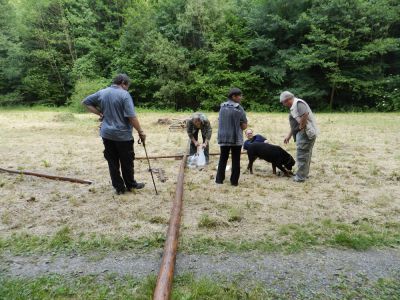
pixel 12 98
pixel 83 88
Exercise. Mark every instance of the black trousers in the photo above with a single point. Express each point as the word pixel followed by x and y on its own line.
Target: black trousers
pixel 193 148
pixel 120 154
pixel 223 159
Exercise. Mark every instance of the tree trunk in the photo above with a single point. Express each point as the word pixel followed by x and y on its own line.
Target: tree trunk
pixel 331 97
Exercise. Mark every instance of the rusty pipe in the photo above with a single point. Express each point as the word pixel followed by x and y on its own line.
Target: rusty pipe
pixel 48 176
pixel 166 273
pixel 174 156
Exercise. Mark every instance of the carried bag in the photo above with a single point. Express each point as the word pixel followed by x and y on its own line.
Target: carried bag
pixel 201 158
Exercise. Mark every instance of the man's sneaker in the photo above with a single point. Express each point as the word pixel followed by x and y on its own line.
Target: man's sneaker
pixel 137 186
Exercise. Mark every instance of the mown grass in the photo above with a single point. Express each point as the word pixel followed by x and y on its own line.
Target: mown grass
pixel 185 287
pixel 361 235
pixel 64 241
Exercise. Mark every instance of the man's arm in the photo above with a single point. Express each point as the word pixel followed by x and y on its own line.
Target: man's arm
pixel 302 121
pixel 243 120
pixel 207 133
pixel 91 102
pixel 94 110
pixel 303 115
pixel 135 124
pixel 189 130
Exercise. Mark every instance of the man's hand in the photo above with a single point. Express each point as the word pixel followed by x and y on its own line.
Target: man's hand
pixel 287 139
pixel 142 137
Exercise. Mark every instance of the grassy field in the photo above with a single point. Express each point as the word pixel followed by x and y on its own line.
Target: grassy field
pixel 352 198
pixel 185 287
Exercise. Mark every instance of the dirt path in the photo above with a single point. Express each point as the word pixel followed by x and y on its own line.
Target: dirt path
pixel 314 271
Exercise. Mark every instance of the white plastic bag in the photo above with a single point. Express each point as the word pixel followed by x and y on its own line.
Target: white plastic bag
pixel 201 158
pixel 192 161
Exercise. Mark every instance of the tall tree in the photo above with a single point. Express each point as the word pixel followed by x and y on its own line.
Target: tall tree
pixel 346 47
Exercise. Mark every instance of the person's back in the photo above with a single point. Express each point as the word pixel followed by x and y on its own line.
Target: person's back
pixel 115 108
pixel 116 105
pixel 230 118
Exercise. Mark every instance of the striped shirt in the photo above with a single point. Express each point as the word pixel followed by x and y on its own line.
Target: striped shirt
pixel 231 116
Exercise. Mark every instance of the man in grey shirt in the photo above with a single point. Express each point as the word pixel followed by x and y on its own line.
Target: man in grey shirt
pixel 231 123
pixel 114 106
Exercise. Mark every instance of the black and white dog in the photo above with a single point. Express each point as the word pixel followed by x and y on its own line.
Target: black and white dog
pixel 273 154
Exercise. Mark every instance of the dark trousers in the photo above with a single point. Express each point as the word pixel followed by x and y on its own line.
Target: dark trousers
pixel 193 148
pixel 120 154
pixel 223 159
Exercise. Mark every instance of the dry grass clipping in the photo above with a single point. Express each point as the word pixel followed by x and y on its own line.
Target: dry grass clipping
pixel 355 174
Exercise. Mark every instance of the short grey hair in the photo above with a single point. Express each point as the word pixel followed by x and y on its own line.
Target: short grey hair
pixel 285 96
pixel 198 115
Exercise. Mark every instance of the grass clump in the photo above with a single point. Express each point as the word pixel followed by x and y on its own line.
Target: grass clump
pixel 207 222
pixel 235 215
pixel 158 220
pixel 64 117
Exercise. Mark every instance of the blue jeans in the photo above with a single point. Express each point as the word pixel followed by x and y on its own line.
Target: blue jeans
pixel 304 147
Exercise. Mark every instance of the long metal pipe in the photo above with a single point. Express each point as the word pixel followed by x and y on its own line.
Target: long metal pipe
pixel 48 176
pixel 172 156
pixel 166 273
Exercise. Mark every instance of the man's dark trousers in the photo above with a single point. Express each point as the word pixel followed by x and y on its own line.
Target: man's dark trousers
pixel 223 159
pixel 120 154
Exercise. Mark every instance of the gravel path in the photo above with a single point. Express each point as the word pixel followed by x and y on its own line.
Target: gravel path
pixel 317 271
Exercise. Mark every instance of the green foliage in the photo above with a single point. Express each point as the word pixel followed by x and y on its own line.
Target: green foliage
pixel 12 98
pixel 83 88
pixel 187 54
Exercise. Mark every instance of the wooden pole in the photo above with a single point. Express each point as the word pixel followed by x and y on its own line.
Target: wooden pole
pixel 166 274
pixel 48 176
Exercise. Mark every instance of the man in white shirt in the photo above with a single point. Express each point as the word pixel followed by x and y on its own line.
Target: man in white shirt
pixel 303 128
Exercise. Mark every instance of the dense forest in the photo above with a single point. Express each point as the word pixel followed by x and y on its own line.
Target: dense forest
pixel 335 54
